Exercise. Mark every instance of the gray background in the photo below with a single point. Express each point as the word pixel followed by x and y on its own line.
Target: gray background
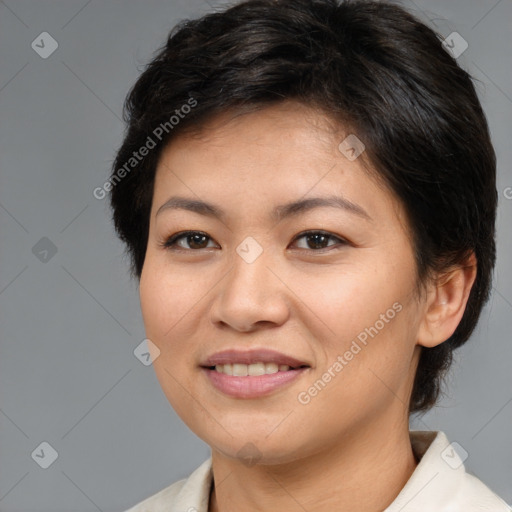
pixel 70 321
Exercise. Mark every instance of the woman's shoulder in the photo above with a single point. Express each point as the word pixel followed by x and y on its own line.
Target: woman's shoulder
pixel 188 494
pixel 440 482
pixel 475 495
pixel 161 500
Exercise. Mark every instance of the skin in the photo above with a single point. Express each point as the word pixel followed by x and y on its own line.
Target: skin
pixel 348 448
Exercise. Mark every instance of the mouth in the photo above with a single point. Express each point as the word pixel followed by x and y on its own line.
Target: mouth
pixel 243 363
pixel 252 370
pixel 252 374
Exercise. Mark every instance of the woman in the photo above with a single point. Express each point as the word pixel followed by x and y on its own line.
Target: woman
pixel 307 192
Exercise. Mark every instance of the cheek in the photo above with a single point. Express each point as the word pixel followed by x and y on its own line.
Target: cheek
pixel 379 372
pixel 368 315
pixel 345 302
pixel 167 303
pixel 360 381
pixel 166 297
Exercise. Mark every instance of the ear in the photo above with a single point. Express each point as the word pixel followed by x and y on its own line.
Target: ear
pixel 446 303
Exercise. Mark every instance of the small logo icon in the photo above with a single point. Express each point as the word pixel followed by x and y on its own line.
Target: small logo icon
pixel 45 455
pixel 44 250
pixel 249 454
pixel 249 250
pixel 454 455
pixel 146 352
pixel 455 44
pixel 44 45
pixel 351 147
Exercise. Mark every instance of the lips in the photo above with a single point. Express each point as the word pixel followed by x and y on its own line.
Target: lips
pixel 248 357
pixel 252 374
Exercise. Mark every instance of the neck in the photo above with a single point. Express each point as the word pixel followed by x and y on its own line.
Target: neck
pixel 364 472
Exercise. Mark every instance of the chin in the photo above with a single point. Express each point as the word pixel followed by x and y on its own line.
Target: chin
pixel 252 447
pixel 259 453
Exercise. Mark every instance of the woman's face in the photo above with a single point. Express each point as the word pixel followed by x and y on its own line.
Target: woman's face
pixel 338 307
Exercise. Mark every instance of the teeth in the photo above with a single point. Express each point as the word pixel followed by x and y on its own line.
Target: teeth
pixel 239 370
pixel 255 369
pixel 271 368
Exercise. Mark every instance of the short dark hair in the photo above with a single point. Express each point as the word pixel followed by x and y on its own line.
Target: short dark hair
pixel 370 66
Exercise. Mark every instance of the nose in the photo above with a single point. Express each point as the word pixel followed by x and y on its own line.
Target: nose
pixel 251 296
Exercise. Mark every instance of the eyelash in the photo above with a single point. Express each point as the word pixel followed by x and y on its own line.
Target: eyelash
pixel 170 242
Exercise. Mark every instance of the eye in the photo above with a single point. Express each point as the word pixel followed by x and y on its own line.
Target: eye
pixel 316 240
pixel 194 239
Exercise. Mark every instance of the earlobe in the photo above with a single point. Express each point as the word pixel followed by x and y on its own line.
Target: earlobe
pixel 446 302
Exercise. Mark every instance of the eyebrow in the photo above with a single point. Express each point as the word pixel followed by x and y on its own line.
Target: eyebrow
pixel 278 213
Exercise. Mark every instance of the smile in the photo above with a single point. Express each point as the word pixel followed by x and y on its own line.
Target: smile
pixel 255 373
pixel 252 370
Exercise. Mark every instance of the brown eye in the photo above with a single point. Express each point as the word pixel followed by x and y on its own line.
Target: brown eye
pixel 319 240
pixel 196 240
pixel 188 240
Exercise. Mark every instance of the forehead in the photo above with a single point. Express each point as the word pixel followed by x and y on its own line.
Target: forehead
pixel 268 157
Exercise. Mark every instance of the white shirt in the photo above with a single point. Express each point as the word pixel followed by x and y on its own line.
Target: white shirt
pixel 439 483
